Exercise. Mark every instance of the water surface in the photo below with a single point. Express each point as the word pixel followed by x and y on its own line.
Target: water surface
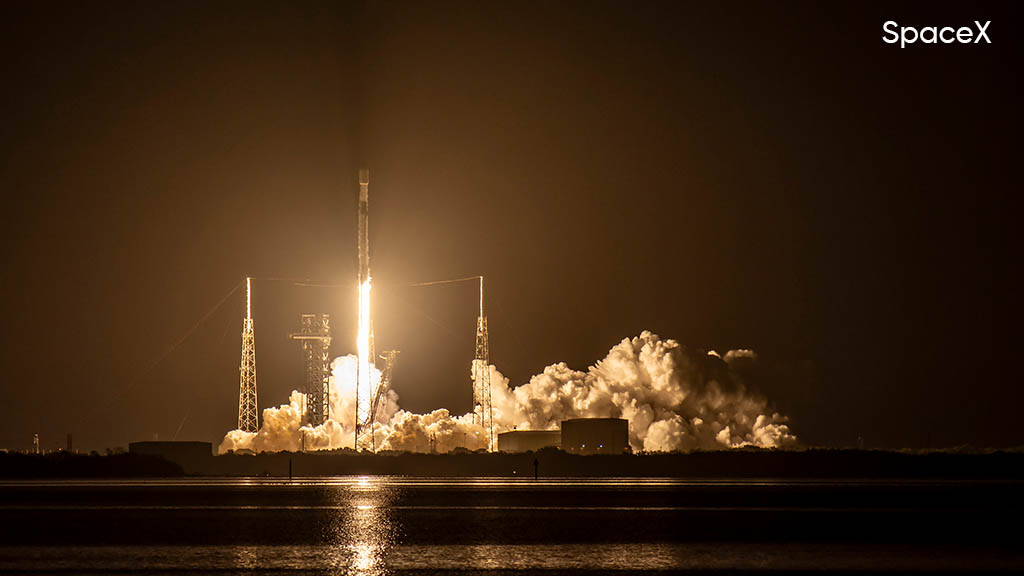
pixel 389 525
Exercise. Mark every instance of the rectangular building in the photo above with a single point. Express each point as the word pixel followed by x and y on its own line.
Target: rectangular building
pixel 193 457
pixel 528 440
pixel 595 436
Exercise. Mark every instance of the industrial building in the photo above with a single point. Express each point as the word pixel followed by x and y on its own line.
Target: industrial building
pixel 191 456
pixel 577 436
pixel 528 440
pixel 595 436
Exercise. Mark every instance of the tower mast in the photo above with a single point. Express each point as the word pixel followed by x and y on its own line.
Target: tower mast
pixel 248 415
pixel 482 411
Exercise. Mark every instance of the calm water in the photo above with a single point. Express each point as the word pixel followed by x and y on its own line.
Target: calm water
pixel 378 526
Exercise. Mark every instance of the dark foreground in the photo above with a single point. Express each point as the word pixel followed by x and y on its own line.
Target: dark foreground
pixel 375 525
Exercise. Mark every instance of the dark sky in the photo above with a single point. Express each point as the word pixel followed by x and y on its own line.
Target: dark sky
pixel 732 175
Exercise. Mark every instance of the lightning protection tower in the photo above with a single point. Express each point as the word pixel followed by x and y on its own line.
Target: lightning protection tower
pixel 248 415
pixel 315 337
pixel 482 412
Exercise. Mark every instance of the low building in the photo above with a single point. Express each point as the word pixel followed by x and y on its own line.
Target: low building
pixel 193 457
pixel 595 436
pixel 528 440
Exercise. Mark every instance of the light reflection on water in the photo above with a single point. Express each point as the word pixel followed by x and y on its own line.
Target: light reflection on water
pixel 360 531
pixel 247 557
pixel 570 558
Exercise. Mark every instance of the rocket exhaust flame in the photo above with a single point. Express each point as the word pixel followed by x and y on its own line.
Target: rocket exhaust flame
pixel 364 388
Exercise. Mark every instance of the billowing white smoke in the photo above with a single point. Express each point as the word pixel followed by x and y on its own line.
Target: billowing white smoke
pixel 674 399
pixel 282 427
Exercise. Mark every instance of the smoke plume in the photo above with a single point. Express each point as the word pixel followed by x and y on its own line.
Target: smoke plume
pixel 674 399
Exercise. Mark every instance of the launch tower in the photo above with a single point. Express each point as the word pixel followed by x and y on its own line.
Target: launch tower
pixel 482 413
pixel 248 415
pixel 315 337
pixel 388 357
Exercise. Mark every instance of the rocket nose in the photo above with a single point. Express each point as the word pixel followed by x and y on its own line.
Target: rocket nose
pixel 364 175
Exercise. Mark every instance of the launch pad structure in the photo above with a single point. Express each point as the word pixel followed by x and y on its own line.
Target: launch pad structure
pixel 389 357
pixel 315 337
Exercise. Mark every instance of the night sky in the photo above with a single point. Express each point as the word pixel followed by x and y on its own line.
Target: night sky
pixel 731 175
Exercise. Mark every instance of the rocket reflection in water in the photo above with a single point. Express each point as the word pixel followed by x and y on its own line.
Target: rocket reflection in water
pixel 361 532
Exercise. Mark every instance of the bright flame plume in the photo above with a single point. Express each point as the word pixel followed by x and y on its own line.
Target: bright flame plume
pixel 364 385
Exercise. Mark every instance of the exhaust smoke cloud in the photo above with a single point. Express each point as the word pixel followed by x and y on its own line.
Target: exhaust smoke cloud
pixel 674 399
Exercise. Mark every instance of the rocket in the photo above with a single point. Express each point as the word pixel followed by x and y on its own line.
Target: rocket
pixel 364 233
pixel 364 335
pixel 364 258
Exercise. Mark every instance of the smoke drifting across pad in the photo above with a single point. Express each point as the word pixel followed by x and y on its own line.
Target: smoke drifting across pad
pixel 674 399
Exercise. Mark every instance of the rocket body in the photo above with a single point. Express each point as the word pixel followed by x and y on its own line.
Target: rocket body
pixel 364 225
pixel 364 341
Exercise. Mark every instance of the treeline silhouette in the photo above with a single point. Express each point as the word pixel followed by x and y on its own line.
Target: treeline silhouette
pixel 70 465
pixel 714 464
pixel 742 463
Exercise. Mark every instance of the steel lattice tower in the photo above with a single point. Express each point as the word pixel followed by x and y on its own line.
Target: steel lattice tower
pixel 315 337
pixel 482 412
pixel 248 414
pixel 389 357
